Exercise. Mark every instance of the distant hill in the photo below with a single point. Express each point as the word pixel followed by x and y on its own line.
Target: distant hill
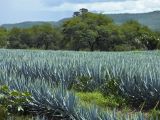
pixel 30 24
pixel 25 24
pixel 151 19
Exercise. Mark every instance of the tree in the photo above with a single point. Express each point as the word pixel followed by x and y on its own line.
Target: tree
pixel 14 38
pixel 89 38
pixel 83 10
pixel 84 31
pixel 3 37
pixel 19 39
pixel 25 39
pixel 45 37
pixel 109 36
pixel 150 41
pixel 134 32
pixel 80 32
pixel 75 14
pixel 41 37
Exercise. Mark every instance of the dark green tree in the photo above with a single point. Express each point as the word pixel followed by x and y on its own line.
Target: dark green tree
pixel 3 37
pixel 81 32
pixel 45 37
pixel 109 36
pixel 14 38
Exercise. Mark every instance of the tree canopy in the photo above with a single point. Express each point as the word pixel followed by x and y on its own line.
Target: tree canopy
pixel 84 31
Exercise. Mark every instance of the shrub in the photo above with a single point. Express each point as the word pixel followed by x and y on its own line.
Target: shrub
pixel 82 84
pixel 12 100
pixel 111 87
pixel 154 114
pixel 98 99
pixel 123 47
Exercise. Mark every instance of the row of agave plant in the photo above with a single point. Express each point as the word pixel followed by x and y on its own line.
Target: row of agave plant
pixel 40 72
pixel 57 103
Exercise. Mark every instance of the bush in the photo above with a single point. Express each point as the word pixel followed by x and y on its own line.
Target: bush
pixel 82 84
pixel 98 99
pixel 123 47
pixel 111 87
pixel 12 100
pixel 154 114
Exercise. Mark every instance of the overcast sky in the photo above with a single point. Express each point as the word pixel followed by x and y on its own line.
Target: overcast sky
pixel 14 11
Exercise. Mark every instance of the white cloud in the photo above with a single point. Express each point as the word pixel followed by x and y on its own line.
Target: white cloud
pixel 12 11
pixel 130 6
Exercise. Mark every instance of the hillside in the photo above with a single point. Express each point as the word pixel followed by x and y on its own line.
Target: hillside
pixel 25 24
pixel 151 19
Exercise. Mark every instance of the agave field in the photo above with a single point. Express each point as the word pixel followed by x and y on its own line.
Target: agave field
pixel 51 77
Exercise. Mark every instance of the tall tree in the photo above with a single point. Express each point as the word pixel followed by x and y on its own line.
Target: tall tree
pixel 14 38
pixel 3 37
pixel 46 36
pixel 109 36
pixel 81 31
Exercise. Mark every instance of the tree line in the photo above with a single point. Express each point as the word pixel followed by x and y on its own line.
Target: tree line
pixel 84 31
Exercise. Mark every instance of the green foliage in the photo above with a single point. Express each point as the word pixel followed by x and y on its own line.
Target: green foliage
pixel 123 47
pixel 12 100
pixel 154 114
pixel 82 84
pixel 98 32
pixel 14 38
pixel 3 37
pixel 109 36
pixel 111 87
pixel 84 31
pixel 41 37
pixel 98 99
pixel 81 32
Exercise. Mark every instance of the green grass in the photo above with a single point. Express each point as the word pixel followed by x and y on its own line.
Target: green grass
pixel 99 100
pixel 154 114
